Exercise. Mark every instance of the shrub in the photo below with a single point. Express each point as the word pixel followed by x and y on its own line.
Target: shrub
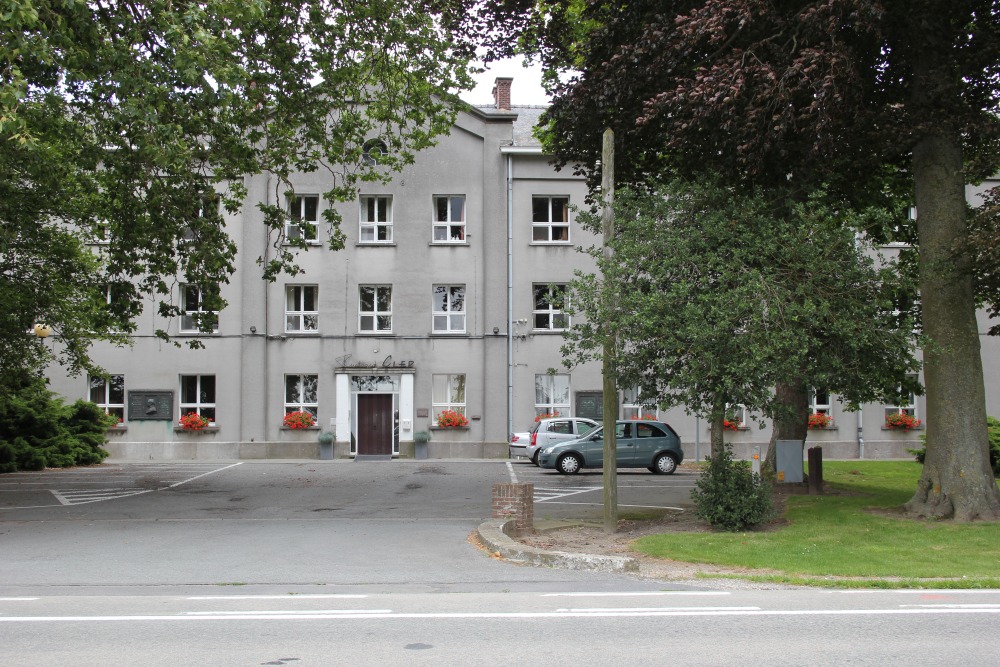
pixel 37 430
pixel 731 497
pixel 993 433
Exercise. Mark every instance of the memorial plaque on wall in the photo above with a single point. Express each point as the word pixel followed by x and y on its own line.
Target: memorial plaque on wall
pixel 151 405
pixel 590 404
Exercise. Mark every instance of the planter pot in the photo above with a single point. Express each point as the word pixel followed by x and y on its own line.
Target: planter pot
pixel 420 450
pixel 326 451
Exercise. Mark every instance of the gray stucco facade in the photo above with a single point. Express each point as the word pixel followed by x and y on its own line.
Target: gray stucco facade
pixel 361 338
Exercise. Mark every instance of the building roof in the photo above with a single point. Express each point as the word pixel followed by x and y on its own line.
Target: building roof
pixel 522 132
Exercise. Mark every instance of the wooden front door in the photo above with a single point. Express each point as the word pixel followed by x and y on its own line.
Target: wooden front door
pixel 375 424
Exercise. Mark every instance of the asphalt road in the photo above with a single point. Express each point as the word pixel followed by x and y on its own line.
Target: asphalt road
pixel 345 563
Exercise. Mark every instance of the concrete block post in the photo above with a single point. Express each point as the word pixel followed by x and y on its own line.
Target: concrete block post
pixel 515 501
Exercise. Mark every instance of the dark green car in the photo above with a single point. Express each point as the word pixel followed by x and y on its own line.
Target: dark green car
pixel 640 444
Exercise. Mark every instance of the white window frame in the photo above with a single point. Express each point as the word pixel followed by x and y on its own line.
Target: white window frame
pixel 631 408
pixel 379 230
pixel 456 398
pixel 449 229
pixel 819 402
pixel 376 320
pixel 543 306
pixel 910 409
pixel 299 213
pixel 545 228
pixel 373 150
pixel 203 403
pixel 302 393
pixel 546 399
pixel 188 324
pixel 298 318
pixel 448 316
pixel 104 394
pixel 739 411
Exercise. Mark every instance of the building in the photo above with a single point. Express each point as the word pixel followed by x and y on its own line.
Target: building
pixel 447 296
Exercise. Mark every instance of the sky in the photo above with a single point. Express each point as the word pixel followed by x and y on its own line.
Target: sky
pixel 525 90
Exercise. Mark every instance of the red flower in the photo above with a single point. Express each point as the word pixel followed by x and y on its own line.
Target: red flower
pixel 547 416
pixel 451 419
pixel 901 421
pixel 820 420
pixel 192 421
pixel 299 420
pixel 730 425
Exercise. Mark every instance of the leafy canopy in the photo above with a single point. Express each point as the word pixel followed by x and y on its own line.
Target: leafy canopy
pixel 717 296
pixel 136 123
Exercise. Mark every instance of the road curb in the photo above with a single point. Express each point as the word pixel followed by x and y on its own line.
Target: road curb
pixel 495 535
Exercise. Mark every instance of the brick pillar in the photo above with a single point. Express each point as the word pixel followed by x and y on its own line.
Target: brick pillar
pixel 515 501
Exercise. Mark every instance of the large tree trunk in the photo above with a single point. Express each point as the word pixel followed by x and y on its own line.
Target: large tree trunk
pixel 791 420
pixel 957 481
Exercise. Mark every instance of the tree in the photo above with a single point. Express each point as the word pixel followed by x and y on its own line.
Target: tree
pixel 134 124
pixel 716 299
pixel 848 94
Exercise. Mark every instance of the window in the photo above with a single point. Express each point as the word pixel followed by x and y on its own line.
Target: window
pixel 301 392
pixel 550 219
pixel 375 308
pixel 376 219
pixel 301 311
pixel 550 304
pixel 551 395
pixel 449 309
pixel 196 310
pixel 906 404
pixel 819 402
pixel 449 219
pixel 448 393
pixel 737 415
pixel 109 395
pixel 373 151
pixel 206 209
pixel 302 217
pixel 198 395
pixel 632 408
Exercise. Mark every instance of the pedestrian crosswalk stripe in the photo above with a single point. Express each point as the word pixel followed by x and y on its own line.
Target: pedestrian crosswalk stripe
pixel 84 496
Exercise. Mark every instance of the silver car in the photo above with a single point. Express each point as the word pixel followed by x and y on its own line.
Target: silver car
pixel 641 444
pixel 548 432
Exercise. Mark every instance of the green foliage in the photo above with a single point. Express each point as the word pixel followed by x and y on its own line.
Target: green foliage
pixel 838 534
pixel 135 125
pixel 993 432
pixel 730 496
pixel 713 296
pixel 37 430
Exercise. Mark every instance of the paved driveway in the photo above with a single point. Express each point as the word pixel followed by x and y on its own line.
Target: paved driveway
pixel 292 525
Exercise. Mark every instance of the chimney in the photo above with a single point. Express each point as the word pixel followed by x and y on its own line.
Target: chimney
pixel 501 93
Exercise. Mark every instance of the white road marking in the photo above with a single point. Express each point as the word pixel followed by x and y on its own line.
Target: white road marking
pixel 649 507
pixel 83 497
pixel 513 475
pixel 543 494
pixel 389 615
pixel 279 597
pixel 632 594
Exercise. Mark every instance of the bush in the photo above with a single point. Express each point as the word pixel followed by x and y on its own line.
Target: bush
pixel 993 432
pixel 37 430
pixel 731 497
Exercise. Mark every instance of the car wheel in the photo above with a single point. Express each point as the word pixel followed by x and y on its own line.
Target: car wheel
pixel 665 464
pixel 569 464
pixel 534 458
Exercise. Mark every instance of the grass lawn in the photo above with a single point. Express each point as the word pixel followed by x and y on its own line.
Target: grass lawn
pixel 834 536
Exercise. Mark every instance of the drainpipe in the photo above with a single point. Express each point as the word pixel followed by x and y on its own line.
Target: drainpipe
pixel 510 295
pixel 861 437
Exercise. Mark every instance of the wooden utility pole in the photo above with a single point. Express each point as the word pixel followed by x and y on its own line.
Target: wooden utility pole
pixel 610 341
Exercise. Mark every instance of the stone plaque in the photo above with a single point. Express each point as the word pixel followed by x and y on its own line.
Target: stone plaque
pixel 151 405
pixel 590 404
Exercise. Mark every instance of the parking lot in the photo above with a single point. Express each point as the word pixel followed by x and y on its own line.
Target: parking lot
pixel 435 488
